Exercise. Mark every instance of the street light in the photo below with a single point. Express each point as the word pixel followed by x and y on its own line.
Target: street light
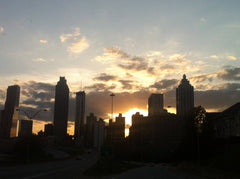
pixel 32 116
pixel 112 95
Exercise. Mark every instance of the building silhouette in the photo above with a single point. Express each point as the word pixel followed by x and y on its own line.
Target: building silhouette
pixel 225 124
pixel 155 104
pixel 99 134
pixel 48 129
pixel 25 128
pixel 10 113
pixel 80 115
pixel 116 130
pixel 61 108
pixel 89 132
pixel 184 99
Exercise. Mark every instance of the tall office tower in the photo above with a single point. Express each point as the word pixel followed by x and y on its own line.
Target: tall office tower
pixel 10 113
pixel 25 128
pixel 1 116
pixel 120 127
pixel 89 133
pixel 48 129
pixel 99 132
pixel 61 108
pixel 184 98
pixel 155 104
pixel 80 114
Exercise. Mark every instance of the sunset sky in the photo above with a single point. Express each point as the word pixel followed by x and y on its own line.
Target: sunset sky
pixel 130 47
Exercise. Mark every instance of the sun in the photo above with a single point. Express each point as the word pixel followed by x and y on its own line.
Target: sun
pixel 128 117
pixel 130 112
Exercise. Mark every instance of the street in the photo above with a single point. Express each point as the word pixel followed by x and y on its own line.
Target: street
pixel 70 168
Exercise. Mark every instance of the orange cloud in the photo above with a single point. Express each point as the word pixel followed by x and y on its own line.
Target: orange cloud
pixel 79 46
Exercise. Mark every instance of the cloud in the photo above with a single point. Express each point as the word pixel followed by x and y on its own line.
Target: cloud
pixel 37 90
pixel 127 84
pixel 135 64
pixel 229 74
pixel 203 77
pixel 165 84
pixel 111 54
pixel 154 54
pixel 214 56
pixel 2 31
pixel 122 102
pixel 116 52
pixel 39 60
pixel 79 46
pixel 100 87
pixel 232 58
pixel 203 20
pixel 123 60
pixel 43 41
pixel 105 77
pixel 65 37
pixel 167 67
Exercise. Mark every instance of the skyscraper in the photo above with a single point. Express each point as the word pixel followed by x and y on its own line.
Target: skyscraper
pixel 25 128
pixel 89 133
pixel 80 114
pixel 120 127
pixel 10 113
pixel 184 98
pixel 61 108
pixel 155 104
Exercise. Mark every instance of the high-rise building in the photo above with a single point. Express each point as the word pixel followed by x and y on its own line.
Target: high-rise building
pixel 25 128
pixel 120 126
pixel 89 132
pixel 184 99
pixel 10 113
pixel 48 129
pixel 1 116
pixel 61 108
pixel 155 104
pixel 99 127
pixel 80 115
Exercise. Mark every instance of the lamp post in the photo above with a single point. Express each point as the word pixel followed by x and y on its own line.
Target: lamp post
pixel 32 116
pixel 112 95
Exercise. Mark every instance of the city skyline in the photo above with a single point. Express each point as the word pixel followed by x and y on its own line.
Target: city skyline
pixel 122 48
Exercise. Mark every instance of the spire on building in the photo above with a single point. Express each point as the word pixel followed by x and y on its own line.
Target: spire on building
pixel 61 108
pixel 184 98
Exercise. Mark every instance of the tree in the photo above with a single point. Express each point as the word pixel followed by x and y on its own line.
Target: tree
pixel 199 119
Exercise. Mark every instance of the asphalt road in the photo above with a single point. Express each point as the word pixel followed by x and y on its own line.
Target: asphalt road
pixel 70 169
pixel 160 171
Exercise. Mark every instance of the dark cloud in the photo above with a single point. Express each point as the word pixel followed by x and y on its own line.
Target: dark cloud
pixel 116 52
pixel 230 86
pixel 127 84
pixel 129 75
pixel 100 102
pixel 151 70
pixel 164 84
pixel 100 87
pixel 201 78
pixel 105 77
pixel 217 99
pixel 229 74
pixel 167 67
pixel 135 64
pixel 38 90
